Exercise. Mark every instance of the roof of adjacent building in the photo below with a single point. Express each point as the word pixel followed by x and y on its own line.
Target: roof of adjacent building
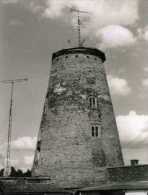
pixel 126 178
pixel 84 50
pixel 28 185
pixel 127 186
pixel 22 187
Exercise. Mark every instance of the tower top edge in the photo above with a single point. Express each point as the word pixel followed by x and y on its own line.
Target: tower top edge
pixel 83 50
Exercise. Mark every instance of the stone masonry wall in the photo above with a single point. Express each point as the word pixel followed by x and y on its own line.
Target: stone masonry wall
pixel 67 152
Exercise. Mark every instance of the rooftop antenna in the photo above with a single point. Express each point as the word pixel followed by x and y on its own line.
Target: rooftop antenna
pixel 8 155
pixel 79 12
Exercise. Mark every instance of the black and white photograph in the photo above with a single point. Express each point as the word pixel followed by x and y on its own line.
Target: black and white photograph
pixel 73 97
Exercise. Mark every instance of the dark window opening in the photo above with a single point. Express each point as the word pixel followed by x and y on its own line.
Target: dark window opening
pixel 96 131
pixel 45 110
pixel 76 56
pixel 39 146
pixel 47 96
pixel 99 115
pixel 93 102
pixel 93 131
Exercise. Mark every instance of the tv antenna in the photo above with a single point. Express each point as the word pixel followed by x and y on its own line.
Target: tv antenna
pixel 79 12
pixel 8 155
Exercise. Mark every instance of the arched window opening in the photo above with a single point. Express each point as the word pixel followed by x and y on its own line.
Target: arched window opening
pixel 96 131
pixel 93 131
pixel 93 102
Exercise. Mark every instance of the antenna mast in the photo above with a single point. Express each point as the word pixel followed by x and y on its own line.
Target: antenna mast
pixel 79 12
pixel 8 155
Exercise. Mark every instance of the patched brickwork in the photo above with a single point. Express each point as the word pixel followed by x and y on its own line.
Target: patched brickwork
pixel 128 173
pixel 70 151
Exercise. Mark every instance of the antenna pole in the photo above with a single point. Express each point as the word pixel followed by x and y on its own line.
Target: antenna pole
pixel 8 155
pixel 80 43
pixel 7 169
pixel 79 29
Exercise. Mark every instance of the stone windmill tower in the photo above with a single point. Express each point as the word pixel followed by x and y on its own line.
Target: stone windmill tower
pixel 78 137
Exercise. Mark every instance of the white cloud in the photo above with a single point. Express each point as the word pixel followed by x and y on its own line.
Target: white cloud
pixel 140 33
pixel 22 145
pixel 106 18
pixel 145 82
pixel 9 1
pixel 13 161
pixel 102 12
pixel 115 36
pixel 1 161
pixel 108 15
pixel 3 147
pixel 26 143
pixel 55 8
pixel 133 129
pixel 118 86
pixel 16 23
pixel 146 69
pixel 145 33
pixel 28 160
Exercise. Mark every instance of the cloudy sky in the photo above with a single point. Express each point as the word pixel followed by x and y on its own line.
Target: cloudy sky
pixel 31 30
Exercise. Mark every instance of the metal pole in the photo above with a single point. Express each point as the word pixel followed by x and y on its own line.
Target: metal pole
pixel 79 23
pixel 79 29
pixel 7 171
pixel 8 155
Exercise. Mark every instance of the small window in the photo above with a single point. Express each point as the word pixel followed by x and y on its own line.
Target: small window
pixel 39 145
pixel 96 131
pixel 45 110
pixel 87 56
pixel 76 56
pixel 93 131
pixel 47 96
pixel 93 102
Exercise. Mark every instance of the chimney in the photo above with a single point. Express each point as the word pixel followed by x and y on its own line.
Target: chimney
pixel 134 162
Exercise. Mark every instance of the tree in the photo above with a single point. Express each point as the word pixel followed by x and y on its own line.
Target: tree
pixel 1 172
pixel 19 173
pixel 27 173
pixel 13 172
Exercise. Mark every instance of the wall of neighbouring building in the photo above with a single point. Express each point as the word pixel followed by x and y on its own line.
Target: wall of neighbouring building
pixel 128 173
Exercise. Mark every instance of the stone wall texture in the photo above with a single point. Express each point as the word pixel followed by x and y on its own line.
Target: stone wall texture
pixel 77 99
pixel 128 173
